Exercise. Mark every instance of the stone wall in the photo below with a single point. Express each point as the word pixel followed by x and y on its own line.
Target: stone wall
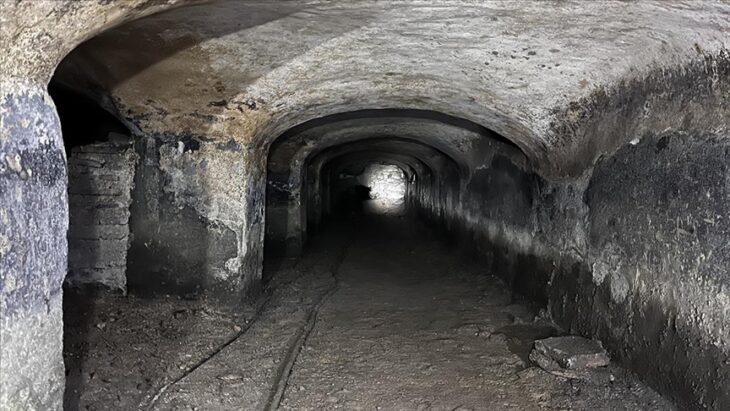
pixel 490 212
pixel 657 286
pixel 634 252
pixel 101 177
pixel 196 220
pixel 33 224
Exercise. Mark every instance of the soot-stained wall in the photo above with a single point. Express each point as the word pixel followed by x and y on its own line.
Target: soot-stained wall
pixel 648 270
pixel 635 252
pixel 658 238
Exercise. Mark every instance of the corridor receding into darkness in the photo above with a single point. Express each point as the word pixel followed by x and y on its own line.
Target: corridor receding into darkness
pixel 364 205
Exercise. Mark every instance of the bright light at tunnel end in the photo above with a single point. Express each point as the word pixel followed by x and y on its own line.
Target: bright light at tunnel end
pixel 387 184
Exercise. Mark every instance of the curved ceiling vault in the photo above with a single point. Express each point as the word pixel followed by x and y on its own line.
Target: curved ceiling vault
pixel 403 130
pixel 250 70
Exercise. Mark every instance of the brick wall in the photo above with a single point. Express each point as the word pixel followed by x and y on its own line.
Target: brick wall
pixel 101 177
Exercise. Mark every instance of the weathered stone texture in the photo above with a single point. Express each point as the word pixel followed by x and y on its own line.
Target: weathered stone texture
pixel 257 69
pixel 190 220
pixel 632 254
pixel 659 233
pixel 101 177
pixel 33 223
pixel 31 363
pixel 36 35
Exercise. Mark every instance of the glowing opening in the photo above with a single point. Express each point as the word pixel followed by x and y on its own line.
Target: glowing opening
pixel 387 184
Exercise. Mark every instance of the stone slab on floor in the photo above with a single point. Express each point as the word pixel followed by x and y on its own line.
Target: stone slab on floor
pixel 570 352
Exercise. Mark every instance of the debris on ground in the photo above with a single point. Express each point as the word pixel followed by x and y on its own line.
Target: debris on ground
pixel 569 356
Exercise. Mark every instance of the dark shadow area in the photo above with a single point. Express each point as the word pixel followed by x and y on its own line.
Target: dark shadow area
pixel 352 198
pixel 83 121
pixel 93 139
pixel 78 309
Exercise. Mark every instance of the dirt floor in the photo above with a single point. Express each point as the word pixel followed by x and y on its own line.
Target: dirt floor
pixel 379 315
pixel 118 350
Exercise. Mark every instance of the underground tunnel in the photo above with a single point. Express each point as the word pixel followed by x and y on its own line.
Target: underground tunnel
pixel 405 205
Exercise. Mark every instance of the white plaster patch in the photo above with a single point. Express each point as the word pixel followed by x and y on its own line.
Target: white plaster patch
pixel 600 271
pixel 619 287
pixel 4 245
pixel 13 162
pixel 233 265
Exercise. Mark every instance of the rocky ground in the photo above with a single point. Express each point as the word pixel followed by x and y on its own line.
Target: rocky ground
pixel 377 315
pixel 118 350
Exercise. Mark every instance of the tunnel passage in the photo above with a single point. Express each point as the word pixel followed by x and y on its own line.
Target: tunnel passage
pixel 461 176
pixel 299 178
pixel 603 201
